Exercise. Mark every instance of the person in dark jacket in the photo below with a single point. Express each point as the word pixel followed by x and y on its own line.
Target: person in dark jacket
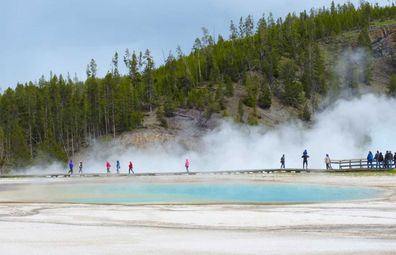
pixel 381 160
pixel 305 159
pixel 394 159
pixel 370 158
pixel 80 167
pixel 390 157
pixel 376 159
pixel 282 161
pixel 386 160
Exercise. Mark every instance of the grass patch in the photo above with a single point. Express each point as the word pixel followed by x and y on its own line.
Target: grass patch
pixel 379 23
pixel 370 173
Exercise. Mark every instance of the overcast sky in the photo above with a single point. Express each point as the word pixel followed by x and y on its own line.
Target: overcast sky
pixel 37 36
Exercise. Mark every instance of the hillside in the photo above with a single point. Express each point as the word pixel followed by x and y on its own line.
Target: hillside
pixel 266 72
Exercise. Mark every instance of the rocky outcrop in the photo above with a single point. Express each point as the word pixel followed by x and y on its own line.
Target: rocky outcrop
pixel 383 40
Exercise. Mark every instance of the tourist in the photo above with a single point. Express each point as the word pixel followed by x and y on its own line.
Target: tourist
pixel 305 159
pixel 390 158
pixel 118 166
pixel 381 160
pixel 187 165
pixel 376 158
pixel 328 162
pixel 130 168
pixel 282 161
pixel 370 160
pixel 108 166
pixel 70 167
pixel 394 159
pixel 80 167
pixel 386 159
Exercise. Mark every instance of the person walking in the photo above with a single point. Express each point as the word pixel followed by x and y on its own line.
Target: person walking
pixel 187 165
pixel 130 167
pixel 108 166
pixel 376 158
pixel 282 161
pixel 305 159
pixel 370 158
pixel 390 158
pixel 328 162
pixel 80 167
pixel 118 166
pixel 70 167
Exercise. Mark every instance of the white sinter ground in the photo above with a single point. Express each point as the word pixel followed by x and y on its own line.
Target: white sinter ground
pixel 355 227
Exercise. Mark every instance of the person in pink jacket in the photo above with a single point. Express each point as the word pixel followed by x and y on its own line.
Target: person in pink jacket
pixel 108 166
pixel 187 165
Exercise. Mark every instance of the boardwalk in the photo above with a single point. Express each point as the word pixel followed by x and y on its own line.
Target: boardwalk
pixel 341 169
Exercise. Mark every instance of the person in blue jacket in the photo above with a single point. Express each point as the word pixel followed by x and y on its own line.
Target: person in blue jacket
pixel 118 166
pixel 370 158
pixel 70 167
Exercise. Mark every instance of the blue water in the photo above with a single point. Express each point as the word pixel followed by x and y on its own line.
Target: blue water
pixel 211 193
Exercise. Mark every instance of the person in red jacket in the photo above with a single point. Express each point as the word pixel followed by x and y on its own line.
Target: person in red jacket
pixel 108 166
pixel 131 167
pixel 187 165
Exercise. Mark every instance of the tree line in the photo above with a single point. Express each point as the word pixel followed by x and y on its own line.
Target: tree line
pixel 54 118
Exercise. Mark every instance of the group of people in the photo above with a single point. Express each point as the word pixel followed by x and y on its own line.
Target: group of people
pixel 382 160
pixel 118 167
pixel 386 160
pixel 305 157
pixel 71 166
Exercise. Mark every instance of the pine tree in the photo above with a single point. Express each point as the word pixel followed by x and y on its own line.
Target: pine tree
pixel 294 94
pixel 392 86
pixel 240 111
pixel 115 71
pixel 364 39
pixel 92 68
pixel 2 149
pixel 252 119
pixel 249 26
pixel 251 88
pixel 265 97
pixel 19 147
pixel 306 113
pixel 233 31
pixel 149 79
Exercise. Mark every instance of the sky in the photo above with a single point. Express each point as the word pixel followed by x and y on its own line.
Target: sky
pixel 39 36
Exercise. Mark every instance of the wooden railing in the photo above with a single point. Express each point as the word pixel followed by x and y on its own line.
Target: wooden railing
pixel 354 164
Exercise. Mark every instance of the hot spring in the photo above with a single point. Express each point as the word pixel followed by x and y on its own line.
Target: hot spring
pixel 123 191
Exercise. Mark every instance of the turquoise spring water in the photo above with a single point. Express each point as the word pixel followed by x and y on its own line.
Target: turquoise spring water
pixel 211 193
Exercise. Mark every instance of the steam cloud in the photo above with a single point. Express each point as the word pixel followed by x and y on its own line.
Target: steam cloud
pixel 348 129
